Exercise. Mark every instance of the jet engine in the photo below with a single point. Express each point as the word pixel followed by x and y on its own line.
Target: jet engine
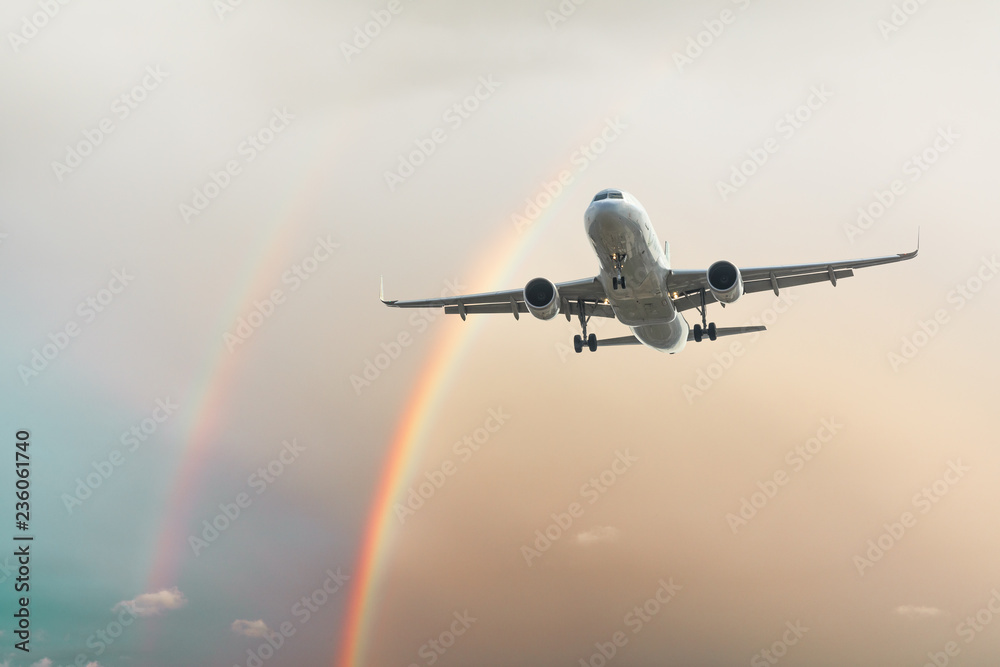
pixel 725 282
pixel 542 298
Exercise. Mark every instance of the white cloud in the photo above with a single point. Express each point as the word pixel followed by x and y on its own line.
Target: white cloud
pixel 597 534
pixel 250 628
pixel 151 604
pixel 913 611
pixel 44 662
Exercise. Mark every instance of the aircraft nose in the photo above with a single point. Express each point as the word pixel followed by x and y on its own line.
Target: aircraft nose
pixel 601 215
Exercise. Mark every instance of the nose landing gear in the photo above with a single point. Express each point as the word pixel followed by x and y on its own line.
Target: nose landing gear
pixel 619 263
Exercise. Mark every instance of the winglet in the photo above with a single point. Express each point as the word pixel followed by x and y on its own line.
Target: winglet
pixel 911 255
pixel 381 292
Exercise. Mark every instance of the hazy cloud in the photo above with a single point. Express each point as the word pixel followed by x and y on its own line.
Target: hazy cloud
pixel 151 604
pixel 47 662
pixel 597 534
pixel 256 628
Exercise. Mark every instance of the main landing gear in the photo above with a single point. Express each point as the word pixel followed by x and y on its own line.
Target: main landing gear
pixel 701 329
pixel 619 264
pixel 700 332
pixel 579 341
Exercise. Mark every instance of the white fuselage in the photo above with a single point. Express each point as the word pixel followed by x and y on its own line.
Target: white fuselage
pixel 620 227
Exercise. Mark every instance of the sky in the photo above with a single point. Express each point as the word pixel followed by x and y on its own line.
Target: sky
pixel 239 456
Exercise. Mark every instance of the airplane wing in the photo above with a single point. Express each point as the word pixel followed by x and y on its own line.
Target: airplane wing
pixel 686 287
pixel 588 291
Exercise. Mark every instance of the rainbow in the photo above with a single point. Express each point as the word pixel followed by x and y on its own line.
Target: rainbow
pixel 408 440
pixel 205 407
pixel 205 419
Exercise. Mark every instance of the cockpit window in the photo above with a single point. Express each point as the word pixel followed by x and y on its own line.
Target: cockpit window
pixel 608 194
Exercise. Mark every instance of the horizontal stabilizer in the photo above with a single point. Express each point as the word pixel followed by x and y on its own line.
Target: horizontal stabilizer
pixel 729 331
pixel 612 342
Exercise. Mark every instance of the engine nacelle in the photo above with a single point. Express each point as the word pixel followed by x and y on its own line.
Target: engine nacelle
pixel 542 298
pixel 725 282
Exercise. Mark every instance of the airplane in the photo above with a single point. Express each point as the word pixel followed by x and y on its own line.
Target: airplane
pixel 637 285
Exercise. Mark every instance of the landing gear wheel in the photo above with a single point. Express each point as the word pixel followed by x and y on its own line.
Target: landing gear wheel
pixel 622 281
pixel 614 282
pixel 579 341
pixel 697 333
pixel 711 331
